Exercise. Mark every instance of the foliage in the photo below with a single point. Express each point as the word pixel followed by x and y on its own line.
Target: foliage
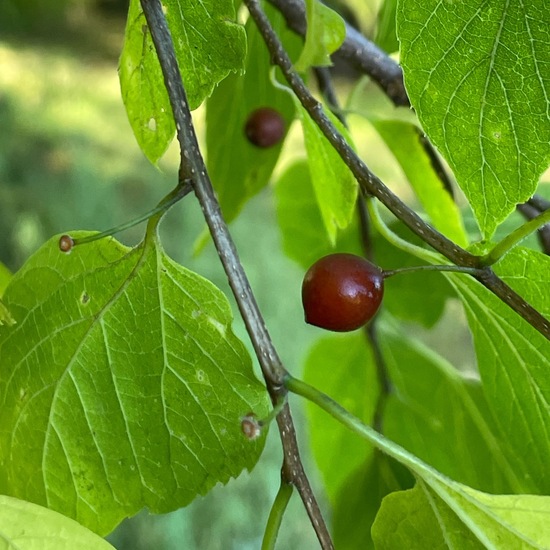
pixel 122 383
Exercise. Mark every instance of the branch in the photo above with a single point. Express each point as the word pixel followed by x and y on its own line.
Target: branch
pixel 372 185
pixel 193 169
pixel 363 54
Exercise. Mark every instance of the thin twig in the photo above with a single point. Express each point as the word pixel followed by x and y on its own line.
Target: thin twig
pixel 372 185
pixel 531 210
pixel 193 169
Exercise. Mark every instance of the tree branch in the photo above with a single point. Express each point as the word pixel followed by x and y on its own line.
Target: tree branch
pixel 364 55
pixel 193 169
pixel 372 185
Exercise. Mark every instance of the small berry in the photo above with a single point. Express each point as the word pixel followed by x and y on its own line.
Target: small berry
pixel 265 127
pixel 66 243
pixel 342 292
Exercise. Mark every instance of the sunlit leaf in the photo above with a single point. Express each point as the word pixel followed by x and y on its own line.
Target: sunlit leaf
pixel 326 31
pixel 477 75
pixel 423 518
pixel 26 526
pixel 334 185
pixel 208 44
pixel 514 360
pixel 122 385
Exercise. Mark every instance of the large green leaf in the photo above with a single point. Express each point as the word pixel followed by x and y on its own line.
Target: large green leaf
pixel 237 168
pixel 443 418
pixel 122 384
pixel 477 74
pixel 208 44
pixel 26 526
pixel 514 360
pixel 330 366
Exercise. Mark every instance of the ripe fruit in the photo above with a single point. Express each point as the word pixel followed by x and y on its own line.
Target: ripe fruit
pixel 342 292
pixel 265 127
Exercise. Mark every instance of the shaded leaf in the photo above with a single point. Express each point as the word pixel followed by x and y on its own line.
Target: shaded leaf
pixel 386 36
pixel 237 168
pixel 300 221
pixel 443 418
pixel 359 500
pixel 477 75
pixel 330 365
pixel 26 526
pixel 122 385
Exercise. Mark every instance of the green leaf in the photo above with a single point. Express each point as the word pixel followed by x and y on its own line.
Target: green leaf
pixel 403 139
pixel 5 276
pixel 334 185
pixel 419 519
pixel 513 360
pixel 325 33
pixel 386 36
pixel 330 365
pixel 122 384
pixel 476 74
pixel 416 519
pixel 237 168
pixel 208 44
pixel 142 86
pixel 443 418
pixel 26 526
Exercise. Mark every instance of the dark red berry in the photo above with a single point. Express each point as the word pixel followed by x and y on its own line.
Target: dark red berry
pixel 66 243
pixel 265 127
pixel 342 292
